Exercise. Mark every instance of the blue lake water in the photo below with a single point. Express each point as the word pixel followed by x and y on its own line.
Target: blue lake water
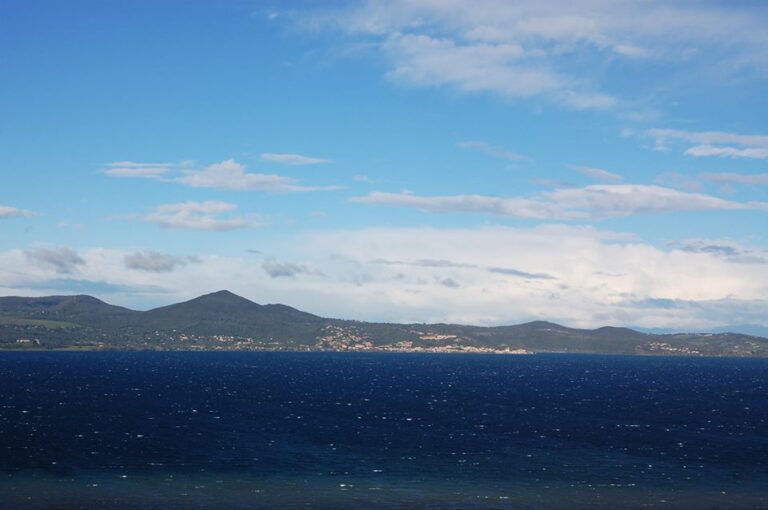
pixel 338 430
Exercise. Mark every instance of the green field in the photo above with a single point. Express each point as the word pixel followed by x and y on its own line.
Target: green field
pixel 10 320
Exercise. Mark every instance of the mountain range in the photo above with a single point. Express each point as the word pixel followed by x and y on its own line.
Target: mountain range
pixel 225 321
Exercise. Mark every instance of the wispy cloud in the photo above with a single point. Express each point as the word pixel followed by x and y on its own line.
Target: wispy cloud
pixel 7 211
pixel 480 67
pixel 292 159
pixel 589 202
pixel 527 49
pixel 63 260
pixel 490 150
pixel 209 216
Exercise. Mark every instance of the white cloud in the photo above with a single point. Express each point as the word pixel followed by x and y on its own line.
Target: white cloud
pixel 232 175
pixel 422 60
pixel 736 178
pixel 589 202
pixel 597 173
pixel 490 150
pixel 7 211
pixel 292 159
pixel 138 170
pixel 210 216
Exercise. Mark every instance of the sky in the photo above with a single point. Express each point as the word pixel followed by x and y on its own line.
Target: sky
pixel 485 162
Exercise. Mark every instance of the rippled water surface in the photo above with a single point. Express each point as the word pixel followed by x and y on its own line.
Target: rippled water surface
pixel 335 430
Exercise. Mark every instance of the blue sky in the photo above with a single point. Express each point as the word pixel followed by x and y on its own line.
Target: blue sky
pixel 486 161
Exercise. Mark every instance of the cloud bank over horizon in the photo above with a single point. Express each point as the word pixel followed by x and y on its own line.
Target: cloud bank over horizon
pixel 491 275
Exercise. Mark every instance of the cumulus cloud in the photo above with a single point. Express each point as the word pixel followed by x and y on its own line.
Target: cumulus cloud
pixel 7 211
pixel 597 173
pixel 63 260
pixel 713 143
pixel 490 150
pixel 156 262
pixel 292 159
pixel 589 202
pixel 211 216
pixel 527 49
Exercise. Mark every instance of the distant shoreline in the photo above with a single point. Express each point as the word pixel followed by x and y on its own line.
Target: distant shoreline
pixel 406 352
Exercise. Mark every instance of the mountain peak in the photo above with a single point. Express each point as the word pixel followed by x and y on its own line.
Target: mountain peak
pixel 223 297
pixel 223 293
